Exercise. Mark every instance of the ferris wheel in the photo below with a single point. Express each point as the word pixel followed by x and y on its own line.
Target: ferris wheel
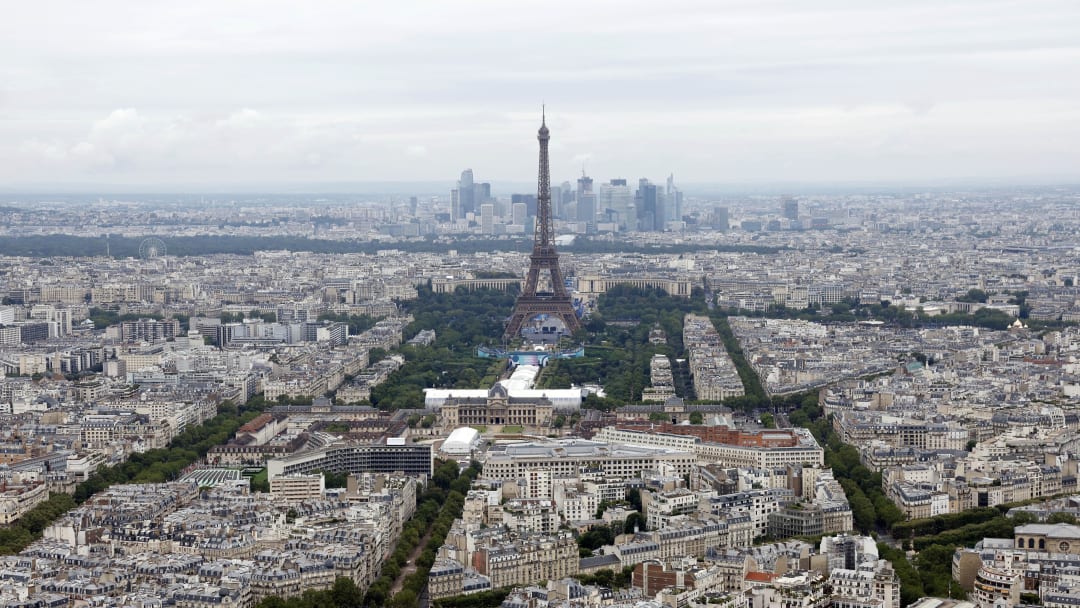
pixel 151 248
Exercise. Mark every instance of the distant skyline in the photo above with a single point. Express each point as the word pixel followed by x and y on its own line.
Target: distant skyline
pixel 261 95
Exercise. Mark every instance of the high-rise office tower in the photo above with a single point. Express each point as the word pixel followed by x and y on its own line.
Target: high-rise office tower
pixel 483 193
pixel 584 185
pixel 660 215
pixel 487 218
pixel 466 193
pixel 586 199
pixel 615 199
pixel 566 196
pixel 720 219
pixel 649 206
pixel 674 200
pixel 529 200
pixel 520 211
pixel 586 208
pixel 455 205
pixel 791 209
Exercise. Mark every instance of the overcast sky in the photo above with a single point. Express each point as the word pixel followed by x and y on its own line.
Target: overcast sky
pixel 263 92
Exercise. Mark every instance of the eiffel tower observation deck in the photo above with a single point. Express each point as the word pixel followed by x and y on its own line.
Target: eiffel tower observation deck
pixel 544 312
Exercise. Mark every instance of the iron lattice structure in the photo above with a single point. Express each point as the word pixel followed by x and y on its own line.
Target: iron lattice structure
pixel 532 303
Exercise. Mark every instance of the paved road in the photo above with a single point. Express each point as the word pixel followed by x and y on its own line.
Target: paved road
pixel 410 565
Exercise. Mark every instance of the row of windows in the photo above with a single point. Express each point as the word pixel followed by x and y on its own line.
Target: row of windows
pixel 413 460
pixel 515 470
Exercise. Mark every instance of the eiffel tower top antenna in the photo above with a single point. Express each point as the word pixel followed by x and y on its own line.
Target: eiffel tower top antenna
pixel 544 222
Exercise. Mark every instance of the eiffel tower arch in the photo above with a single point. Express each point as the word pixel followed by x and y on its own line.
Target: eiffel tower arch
pixel 532 302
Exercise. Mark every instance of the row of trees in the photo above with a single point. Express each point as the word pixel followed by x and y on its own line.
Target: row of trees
pixel 103 317
pixel 358 324
pixel 58 245
pixel 751 382
pixel 849 311
pixel 440 504
pixel 485 599
pixel 153 466
pixel 966 524
pixel 26 529
pixel 166 464
pixel 1000 526
pixel 911 584
pixel 871 509
pixel 984 317
pixel 940 523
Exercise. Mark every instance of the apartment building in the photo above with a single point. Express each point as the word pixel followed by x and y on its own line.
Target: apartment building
pixel 411 459
pixel 570 457
pixel 297 488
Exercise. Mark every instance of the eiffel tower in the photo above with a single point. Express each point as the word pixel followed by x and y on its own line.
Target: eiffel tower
pixel 532 303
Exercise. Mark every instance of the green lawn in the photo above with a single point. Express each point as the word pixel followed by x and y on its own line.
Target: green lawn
pixel 514 428
pixel 260 482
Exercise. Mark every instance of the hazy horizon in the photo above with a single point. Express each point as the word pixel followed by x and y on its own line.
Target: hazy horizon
pixel 268 95
pixel 428 188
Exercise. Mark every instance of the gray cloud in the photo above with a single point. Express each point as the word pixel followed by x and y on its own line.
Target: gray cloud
pixel 266 92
